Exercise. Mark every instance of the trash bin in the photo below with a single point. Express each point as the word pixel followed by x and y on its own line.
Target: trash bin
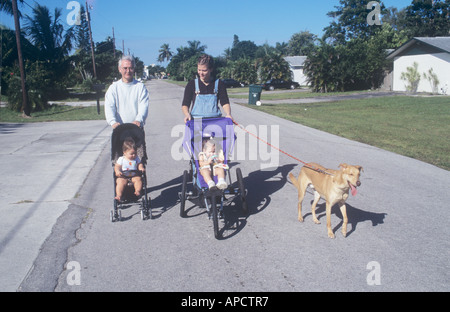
pixel 254 94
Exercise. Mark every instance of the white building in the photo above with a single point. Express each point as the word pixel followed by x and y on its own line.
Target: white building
pixel 296 64
pixel 428 53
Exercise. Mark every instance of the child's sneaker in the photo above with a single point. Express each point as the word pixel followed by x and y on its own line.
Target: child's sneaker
pixel 211 184
pixel 221 184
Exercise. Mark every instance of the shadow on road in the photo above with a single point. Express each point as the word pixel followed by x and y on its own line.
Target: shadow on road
pixel 260 185
pixel 168 198
pixel 9 128
pixel 354 215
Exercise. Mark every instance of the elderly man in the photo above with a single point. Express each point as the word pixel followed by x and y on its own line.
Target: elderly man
pixel 126 100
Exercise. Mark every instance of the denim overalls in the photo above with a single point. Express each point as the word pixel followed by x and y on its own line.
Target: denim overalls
pixel 206 105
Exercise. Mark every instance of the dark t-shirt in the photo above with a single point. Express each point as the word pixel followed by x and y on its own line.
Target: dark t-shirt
pixel 189 92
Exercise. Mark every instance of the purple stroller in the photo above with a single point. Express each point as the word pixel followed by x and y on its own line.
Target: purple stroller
pixel 222 131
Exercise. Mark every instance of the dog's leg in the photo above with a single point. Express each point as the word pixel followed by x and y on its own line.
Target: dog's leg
pixel 328 210
pixel 313 207
pixel 301 195
pixel 344 219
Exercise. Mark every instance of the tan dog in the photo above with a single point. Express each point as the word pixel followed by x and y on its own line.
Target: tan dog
pixel 333 187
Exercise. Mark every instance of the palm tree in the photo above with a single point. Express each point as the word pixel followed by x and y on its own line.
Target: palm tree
pixel 274 66
pixel 195 47
pixel 164 53
pixel 10 7
pixel 46 33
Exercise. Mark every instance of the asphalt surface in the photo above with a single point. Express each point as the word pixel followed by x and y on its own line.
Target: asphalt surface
pixel 56 234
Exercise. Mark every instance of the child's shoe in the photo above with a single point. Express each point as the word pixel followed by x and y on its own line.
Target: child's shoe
pixel 221 184
pixel 211 184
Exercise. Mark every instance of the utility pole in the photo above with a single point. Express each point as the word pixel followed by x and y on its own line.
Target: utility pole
pixel 25 109
pixel 88 17
pixel 114 44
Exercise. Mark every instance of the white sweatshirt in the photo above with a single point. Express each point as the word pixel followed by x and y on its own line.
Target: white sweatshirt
pixel 126 102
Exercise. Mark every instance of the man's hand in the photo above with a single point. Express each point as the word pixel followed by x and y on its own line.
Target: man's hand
pixel 137 123
pixel 114 126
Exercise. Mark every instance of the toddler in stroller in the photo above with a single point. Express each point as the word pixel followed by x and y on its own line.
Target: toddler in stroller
pixel 129 158
pixel 126 170
pixel 215 158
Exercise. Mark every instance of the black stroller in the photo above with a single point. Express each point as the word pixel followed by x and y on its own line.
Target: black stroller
pixel 119 135
pixel 222 131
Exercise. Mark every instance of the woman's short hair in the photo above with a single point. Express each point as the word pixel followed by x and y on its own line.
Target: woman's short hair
pixel 206 59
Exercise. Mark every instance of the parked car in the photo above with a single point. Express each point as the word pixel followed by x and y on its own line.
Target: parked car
pixel 231 83
pixel 273 84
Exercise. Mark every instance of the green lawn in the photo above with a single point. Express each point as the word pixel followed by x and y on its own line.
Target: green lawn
pixel 417 127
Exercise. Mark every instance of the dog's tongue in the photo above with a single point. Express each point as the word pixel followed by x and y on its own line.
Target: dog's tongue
pixel 354 191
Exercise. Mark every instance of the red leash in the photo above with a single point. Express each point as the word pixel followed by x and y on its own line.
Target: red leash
pixel 287 154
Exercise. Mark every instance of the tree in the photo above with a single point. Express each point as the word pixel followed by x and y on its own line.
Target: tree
pixel 274 66
pixel 181 65
pixel 243 70
pixel 243 49
pixel 319 68
pixel 46 32
pixel 351 21
pixel 81 34
pixel 164 53
pixel 427 18
pixel 301 43
pixel 10 7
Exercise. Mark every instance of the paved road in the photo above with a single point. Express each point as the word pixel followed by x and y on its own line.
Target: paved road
pixel 397 222
pixel 43 167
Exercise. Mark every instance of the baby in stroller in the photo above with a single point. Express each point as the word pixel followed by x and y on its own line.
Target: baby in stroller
pixel 208 158
pixel 126 169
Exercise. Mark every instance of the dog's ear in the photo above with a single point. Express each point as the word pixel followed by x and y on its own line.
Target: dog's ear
pixel 360 168
pixel 343 166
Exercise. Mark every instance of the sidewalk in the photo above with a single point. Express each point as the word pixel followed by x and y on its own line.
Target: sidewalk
pixel 44 166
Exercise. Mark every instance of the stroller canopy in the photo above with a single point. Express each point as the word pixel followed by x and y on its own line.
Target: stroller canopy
pixel 120 134
pixel 221 129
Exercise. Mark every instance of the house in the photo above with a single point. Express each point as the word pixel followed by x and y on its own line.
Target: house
pixel 429 53
pixel 296 65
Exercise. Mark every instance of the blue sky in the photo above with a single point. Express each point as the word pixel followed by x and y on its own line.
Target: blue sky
pixel 144 25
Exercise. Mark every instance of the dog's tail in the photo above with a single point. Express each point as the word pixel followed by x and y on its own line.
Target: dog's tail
pixel 294 180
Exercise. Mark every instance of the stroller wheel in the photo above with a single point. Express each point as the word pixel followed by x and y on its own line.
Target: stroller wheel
pixel 241 186
pixel 183 193
pixel 215 216
pixel 115 215
pixel 146 211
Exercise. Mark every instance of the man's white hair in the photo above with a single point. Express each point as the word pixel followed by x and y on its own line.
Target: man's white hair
pixel 127 58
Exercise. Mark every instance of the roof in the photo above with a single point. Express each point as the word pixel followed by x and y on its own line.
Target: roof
pixel 295 60
pixel 440 44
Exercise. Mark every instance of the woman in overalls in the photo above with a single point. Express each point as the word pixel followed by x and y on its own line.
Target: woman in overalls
pixel 204 93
